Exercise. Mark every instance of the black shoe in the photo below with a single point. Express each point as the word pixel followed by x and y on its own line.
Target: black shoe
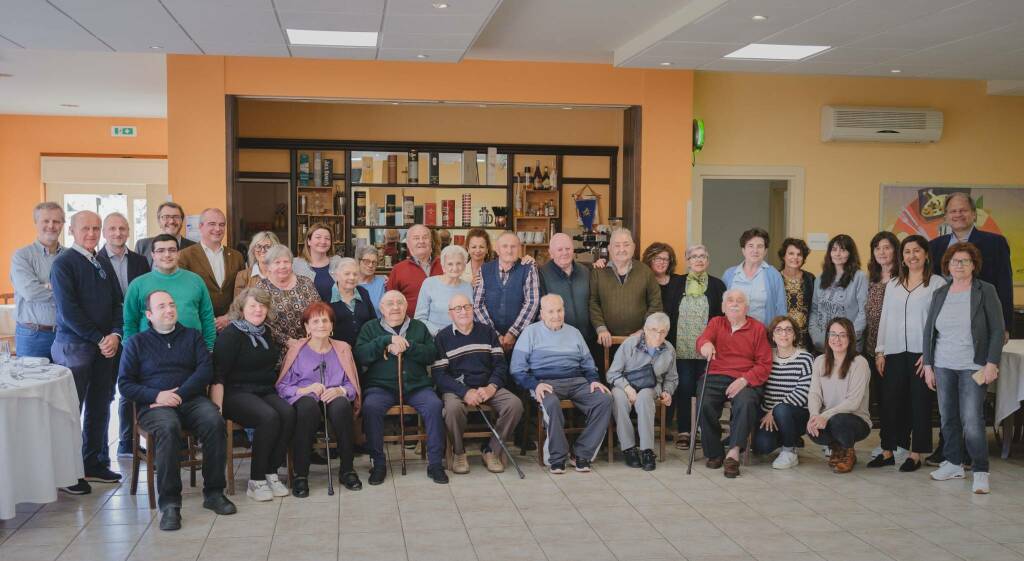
pixel 648 461
pixel 102 474
pixel 910 465
pixel 935 459
pixel 219 504
pixel 378 474
pixel 881 461
pixel 170 518
pixel 80 488
pixel 632 457
pixel 557 468
pixel 300 487
pixel 437 474
pixel 800 442
pixel 350 480
pixel 582 465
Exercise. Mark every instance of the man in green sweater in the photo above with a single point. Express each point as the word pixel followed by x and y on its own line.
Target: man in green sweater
pixel 623 293
pixel 195 309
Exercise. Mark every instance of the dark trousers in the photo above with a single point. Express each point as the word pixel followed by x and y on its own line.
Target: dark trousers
pixel 792 424
pixel 92 373
pixel 273 420
pixel 746 408
pixel 164 424
pixel 377 401
pixel 689 371
pixel 906 406
pixel 309 416
pixel 962 414
pixel 843 431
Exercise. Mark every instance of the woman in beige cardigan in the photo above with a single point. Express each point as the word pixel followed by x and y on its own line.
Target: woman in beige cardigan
pixel 258 247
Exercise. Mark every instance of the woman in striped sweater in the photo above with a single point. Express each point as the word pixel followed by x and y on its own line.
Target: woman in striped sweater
pixel 785 395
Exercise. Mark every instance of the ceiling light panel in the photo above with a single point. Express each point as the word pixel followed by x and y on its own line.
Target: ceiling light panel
pixel 764 51
pixel 327 38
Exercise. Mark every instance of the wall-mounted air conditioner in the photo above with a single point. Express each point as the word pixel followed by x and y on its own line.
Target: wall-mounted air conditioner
pixel 880 124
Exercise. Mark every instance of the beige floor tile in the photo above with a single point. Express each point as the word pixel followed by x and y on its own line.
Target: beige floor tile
pixel 510 552
pixel 30 552
pixel 116 533
pixel 543 516
pixel 371 522
pixel 180 550
pixel 613 515
pixel 303 548
pixel 427 520
pixel 831 541
pixel 748 525
pixel 509 517
pixel 871 554
pixel 562 550
pixel 58 519
pixel 927 553
pixel 111 551
pixel 704 545
pixel 241 549
pixel 42 536
pixel 307 526
pixel 123 516
pixel 1004 533
pixel 941 535
pixel 983 552
pixel 504 535
pixel 861 521
pixel 234 527
pixel 575 531
pixel 643 549
pixel 762 544
pixel 619 531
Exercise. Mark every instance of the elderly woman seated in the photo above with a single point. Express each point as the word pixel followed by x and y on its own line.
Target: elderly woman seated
pixel 740 360
pixel 378 348
pixel 644 369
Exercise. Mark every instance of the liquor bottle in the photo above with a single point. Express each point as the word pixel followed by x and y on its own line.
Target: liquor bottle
pixel 528 178
pixel 303 169
pixel 435 168
pixel 516 197
pixel 538 179
pixel 414 166
pixel 546 178
pixel 339 201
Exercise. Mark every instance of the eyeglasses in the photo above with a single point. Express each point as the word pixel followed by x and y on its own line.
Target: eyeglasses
pixel 462 308
pixel 660 260
pixel 961 262
pixel 170 217
pixel 261 247
pixel 368 262
pixel 162 250
pixel 699 257
pixel 783 330
pixel 838 335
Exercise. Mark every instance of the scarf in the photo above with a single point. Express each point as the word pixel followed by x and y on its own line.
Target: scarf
pixel 696 284
pixel 255 333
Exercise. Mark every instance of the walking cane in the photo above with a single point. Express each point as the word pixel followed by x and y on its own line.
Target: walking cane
pixel 696 430
pixel 327 429
pixel 501 443
pixel 401 412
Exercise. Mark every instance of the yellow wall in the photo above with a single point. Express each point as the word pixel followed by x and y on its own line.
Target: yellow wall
pixel 197 85
pixel 761 119
pixel 24 138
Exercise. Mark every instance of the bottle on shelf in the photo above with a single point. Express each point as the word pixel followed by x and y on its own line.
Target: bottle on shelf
pixel 435 168
pixel 527 177
pixel 538 179
pixel 546 178
pixel 303 169
pixel 414 166
pixel 302 204
pixel 339 201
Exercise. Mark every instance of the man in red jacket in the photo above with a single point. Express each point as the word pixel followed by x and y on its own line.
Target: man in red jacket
pixel 408 275
pixel 740 360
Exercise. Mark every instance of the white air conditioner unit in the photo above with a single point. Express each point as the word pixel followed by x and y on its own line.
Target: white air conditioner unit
pixel 880 124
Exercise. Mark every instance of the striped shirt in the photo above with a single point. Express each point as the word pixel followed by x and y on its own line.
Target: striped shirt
pixel 789 381
pixel 470 360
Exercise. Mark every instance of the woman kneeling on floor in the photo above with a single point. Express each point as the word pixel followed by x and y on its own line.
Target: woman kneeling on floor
pixel 643 371
pixel 785 395
pixel 318 370
pixel 838 400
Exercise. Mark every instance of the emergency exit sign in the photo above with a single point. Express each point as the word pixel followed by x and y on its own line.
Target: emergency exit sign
pixel 124 131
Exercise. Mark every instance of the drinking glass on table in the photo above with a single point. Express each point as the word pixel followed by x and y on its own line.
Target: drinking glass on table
pixel 5 351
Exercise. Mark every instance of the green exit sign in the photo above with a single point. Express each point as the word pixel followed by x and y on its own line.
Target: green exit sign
pixel 124 131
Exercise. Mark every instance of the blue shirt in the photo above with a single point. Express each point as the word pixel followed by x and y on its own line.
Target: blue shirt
pixel 30 275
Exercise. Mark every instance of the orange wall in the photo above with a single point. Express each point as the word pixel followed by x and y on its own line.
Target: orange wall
pixel 196 86
pixel 24 138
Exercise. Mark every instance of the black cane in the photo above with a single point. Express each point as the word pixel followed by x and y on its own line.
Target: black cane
pixel 327 429
pixel 501 443
pixel 696 429
pixel 401 412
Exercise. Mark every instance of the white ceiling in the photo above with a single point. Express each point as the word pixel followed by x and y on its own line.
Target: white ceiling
pixel 973 39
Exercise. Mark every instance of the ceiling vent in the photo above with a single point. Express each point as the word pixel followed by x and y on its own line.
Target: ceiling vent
pixel 880 124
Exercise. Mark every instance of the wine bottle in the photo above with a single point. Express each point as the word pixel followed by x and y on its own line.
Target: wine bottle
pixel 414 166
pixel 435 168
pixel 546 178
pixel 538 179
pixel 528 177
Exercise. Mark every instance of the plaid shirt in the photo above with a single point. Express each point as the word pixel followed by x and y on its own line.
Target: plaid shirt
pixel 531 300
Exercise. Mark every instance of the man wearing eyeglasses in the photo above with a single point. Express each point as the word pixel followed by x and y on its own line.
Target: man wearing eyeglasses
pixel 89 328
pixel 171 217
pixel 195 310
pixel 471 371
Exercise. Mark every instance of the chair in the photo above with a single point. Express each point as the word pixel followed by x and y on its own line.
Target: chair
pixel 190 456
pixel 7 297
pixel 565 404
pixel 233 455
pixel 449 453
pixel 660 416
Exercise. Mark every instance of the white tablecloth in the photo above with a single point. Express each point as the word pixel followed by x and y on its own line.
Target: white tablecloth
pixel 40 435
pixel 1009 387
pixel 6 319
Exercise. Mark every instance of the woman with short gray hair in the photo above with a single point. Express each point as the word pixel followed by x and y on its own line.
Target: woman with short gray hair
pixel 350 302
pixel 375 285
pixel 258 246
pixel 290 294
pixel 437 291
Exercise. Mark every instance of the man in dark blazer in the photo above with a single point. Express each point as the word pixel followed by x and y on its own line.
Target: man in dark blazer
pixel 215 264
pixel 124 265
pixel 171 217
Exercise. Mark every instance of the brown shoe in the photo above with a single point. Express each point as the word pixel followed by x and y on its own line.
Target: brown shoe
pixel 833 456
pixel 683 441
pixel 493 463
pixel 460 464
pixel 713 463
pixel 732 468
pixel 845 462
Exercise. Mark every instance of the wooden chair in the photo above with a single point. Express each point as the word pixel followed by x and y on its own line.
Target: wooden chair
pixel 565 404
pixel 233 455
pixel 420 436
pixel 449 454
pixel 7 297
pixel 190 458
pixel 660 415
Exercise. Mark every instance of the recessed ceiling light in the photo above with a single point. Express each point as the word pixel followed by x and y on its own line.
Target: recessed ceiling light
pixel 664 64
pixel 320 38
pixel 440 5
pixel 763 51
pixel 482 106
pixel 759 18
pixel 6 75
pixel 394 103
pixel 422 56
pixel 70 105
pixel 567 108
pixel 895 71
pixel 156 47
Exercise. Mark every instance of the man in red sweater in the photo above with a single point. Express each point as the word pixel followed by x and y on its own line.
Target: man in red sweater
pixel 407 276
pixel 740 360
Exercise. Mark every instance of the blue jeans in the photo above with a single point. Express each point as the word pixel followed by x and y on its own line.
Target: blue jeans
pixel 376 402
pixel 30 342
pixel 92 374
pixel 962 415
pixel 792 424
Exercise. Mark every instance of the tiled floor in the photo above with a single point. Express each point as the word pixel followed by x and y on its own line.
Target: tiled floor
pixel 613 513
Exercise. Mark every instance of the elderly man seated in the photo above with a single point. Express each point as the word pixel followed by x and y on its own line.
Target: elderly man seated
pixel 740 360
pixel 644 369
pixel 165 371
pixel 552 361
pixel 471 370
pixel 378 347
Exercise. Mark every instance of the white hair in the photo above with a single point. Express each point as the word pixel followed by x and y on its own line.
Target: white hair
pixel 658 319
pixel 695 247
pixel 276 252
pixel 457 250
pixel 621 232
pixel 737 292
pixel 551 298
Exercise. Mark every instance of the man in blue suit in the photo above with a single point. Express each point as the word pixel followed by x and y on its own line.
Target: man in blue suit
pixel 124 265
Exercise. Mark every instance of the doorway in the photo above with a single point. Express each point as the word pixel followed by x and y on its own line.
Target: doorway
pixel 727 200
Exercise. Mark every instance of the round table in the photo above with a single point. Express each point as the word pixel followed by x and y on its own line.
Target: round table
pixel 1009 389
pixel 40 434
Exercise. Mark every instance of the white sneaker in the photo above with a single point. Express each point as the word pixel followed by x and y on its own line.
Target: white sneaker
pixel 276 487
pixel 948 471
pixel 826 451
pixel 980 486
pixel 785 460
pixel 259 491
